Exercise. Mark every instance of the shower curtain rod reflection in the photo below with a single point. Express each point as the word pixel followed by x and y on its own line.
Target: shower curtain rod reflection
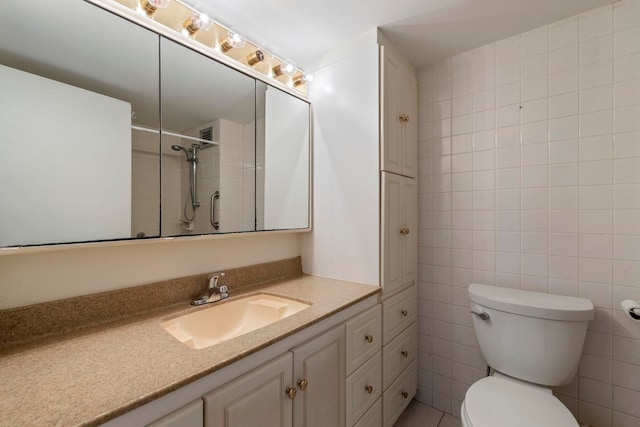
pixel 179 135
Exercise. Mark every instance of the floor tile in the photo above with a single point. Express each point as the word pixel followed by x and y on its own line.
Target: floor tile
pixel 419 415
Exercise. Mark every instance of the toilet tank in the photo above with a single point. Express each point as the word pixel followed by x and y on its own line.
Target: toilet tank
pixel 532 336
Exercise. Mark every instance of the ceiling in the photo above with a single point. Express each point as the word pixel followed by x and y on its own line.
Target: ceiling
pixel 425 30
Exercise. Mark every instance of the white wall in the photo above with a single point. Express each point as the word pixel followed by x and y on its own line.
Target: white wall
pixel 79 148
pixel 530 178
pixel 345 239
pixel 74 270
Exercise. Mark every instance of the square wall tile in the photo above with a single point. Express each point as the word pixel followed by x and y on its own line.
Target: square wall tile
pixel 563 33
pixel 626 14
pixel 596 23
pixel 507 51
pixel 534 42
pixel 625 42
pixel 596 99
pixel 596 74
pixel 508 241
pixel 627 67
pixel 596 50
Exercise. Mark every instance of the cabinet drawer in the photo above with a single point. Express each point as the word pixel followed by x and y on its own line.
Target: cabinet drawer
pixel 373 417
pixel 398 354
pixel 364 387
pixel 398 312
pixel 396 398
pixel 364 337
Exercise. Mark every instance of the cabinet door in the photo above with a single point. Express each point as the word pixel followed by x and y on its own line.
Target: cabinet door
pixel 399 232
pixel 319 374
pixel 409 220
pixel 399 121
pixel 391 232
pixel 409 90
pixel 188 416
pixel 256 399
pixel 390 121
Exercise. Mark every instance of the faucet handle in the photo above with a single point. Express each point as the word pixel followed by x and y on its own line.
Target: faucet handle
pixel 223 291
pixel 213 279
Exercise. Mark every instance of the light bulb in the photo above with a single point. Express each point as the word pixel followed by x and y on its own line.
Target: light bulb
pixel 302 79
pixel 233 40
pixel 151 6
pixel 196 22
pixel 255 57
pixel 286 68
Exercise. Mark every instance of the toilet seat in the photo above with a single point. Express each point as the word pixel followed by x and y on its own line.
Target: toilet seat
pixel 497 402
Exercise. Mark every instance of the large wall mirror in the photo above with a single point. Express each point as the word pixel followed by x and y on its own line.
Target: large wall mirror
pixel 109 131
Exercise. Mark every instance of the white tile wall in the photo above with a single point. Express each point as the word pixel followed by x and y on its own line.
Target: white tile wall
pixel 145 187
pixel 530 178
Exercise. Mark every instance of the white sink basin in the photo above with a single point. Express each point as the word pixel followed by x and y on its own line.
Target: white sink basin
pixel 225 320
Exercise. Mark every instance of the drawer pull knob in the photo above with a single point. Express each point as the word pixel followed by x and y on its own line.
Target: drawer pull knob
pixel 291 392
pixel 405 231
pixel 369 389
pixel 404 353
pixel 404 313
pixel 368 338
pixel 405 394
pixel 303 384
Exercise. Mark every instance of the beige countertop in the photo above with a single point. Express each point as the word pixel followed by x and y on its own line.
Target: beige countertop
pixel 92 376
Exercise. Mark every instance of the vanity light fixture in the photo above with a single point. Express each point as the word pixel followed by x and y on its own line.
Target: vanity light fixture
pixel 197 21
pixel 255 57
pixel 233 40
pixel 151 6
pixel 286 68
pixel 224 38
pixel 302 79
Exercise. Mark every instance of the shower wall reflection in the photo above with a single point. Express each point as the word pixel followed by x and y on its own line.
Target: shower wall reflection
pixel 209 103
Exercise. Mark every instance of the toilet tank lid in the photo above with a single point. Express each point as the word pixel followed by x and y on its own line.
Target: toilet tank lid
pixel 533 304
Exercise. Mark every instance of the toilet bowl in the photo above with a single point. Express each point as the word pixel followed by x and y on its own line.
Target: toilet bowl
pixel 498 402
pixel 532 341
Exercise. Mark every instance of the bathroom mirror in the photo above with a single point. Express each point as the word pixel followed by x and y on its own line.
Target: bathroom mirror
pixel 85 157
pixel 71 98
pixel 208 145
pixel 282 160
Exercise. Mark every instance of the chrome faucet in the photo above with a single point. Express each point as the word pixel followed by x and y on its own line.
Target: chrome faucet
pixel 214 292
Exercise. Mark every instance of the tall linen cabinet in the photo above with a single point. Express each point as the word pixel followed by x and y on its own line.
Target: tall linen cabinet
pixel 364 100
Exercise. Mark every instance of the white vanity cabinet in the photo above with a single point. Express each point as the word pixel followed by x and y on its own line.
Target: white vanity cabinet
pixel 301 388
pixel 399 100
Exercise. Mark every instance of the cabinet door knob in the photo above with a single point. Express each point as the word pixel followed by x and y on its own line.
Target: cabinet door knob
pixel 404 313
pixel 303 384
pixel 405 394
pixel 291 392
pixel 404 353
pixel 368 338
pixel 405 231
pixel 369 389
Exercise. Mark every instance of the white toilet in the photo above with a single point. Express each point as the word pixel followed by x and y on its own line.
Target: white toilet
pixel 532 341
